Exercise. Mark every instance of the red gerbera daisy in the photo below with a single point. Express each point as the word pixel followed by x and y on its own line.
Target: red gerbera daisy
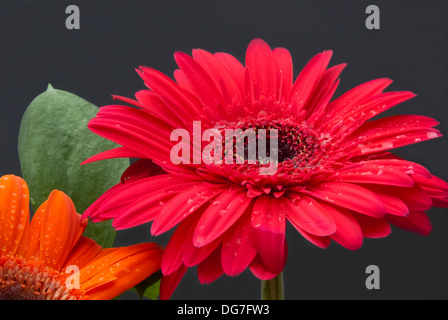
pixel 335 178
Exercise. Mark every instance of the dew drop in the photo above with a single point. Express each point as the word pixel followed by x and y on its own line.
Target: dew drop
pixel 431 135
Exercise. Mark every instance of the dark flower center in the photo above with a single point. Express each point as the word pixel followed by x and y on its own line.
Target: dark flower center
pixel 295 144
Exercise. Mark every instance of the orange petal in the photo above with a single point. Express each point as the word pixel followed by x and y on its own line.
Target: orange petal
pixel 120 270
pixel 14 212
pixel 61 229
pixel 84 251
pixel 30 244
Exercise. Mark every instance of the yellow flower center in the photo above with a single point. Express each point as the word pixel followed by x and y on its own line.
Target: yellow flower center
pixel 22 279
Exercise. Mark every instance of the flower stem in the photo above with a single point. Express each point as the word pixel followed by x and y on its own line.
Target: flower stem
pixel 273 289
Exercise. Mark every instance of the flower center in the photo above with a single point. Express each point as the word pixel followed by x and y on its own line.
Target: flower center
pixel 298 146
pixel 301 154
pixel 29 280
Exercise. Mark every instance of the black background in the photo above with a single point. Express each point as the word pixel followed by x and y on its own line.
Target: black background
pixel 117 36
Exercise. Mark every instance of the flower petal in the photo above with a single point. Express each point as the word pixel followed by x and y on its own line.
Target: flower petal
pixel 210 268
pixel 120 270
pixel 14 213
pixel 283 61
pixel 172 256
pixel 372 227
pixel 259 269
pixel 30 244
pixel 193 255
pixel 218 73
pixel 238 247
pixel 134 131
pixel 169 283
pixel 350 196
pixel 220 215
pixel 61 229
pixel 261 66
pixel 340 106
pixel 268 225
pixel 182 205
pixel 204 87
pixel 415 221
pixel 375 174
pixel 120 152
pixel 84 251
pixel 310 216
pixel 307 81
pixel 348 232
pixel 183 106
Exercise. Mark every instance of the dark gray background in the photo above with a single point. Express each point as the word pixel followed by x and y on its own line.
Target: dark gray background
pixel 117 36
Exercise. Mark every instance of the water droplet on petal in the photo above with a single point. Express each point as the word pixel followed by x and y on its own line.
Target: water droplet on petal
pixel 431 135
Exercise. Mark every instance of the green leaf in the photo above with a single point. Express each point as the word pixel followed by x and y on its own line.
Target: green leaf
pixel 149 288
pixel 53 141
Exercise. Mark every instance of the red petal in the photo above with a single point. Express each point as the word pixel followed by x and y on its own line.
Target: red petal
pixel 410 168
pixel 372 227
pixel 395 125
pixel 210 269
pixel 433 185
pixel 172 255
pixel 142 168
pixel 348 232
pixel 233 66
pixel 261 65
pixel 321 242
pixel 182 105
pixel 120 152
pixel 350 196
pixel 268 224
pixel 201 82
pixel 372 173
pixel 110 204
pixel 394 205
pixel 310 216
pixel 218 73
pixel 220 215
pixel 193 255
pixel 182 205
pixel 169 283
pixel 142 210
pixel 238 248
pixel 307 80
pixel 260 270
pixel 283 62
pixel 153 104
pixel 323 93
pixel 416 221
pixel 355 96
pixel 415 197
pixel 133 129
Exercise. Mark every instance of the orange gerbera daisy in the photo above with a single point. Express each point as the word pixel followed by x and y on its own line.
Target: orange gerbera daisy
pixel 49 258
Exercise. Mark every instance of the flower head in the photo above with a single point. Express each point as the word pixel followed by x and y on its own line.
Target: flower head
pixel 49 258
pixel 334 178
